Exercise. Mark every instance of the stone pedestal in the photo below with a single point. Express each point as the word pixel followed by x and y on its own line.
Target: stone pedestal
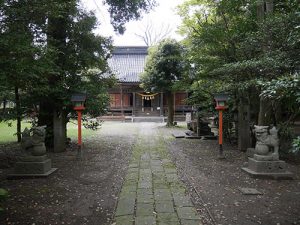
pixel 267 169
pixel 33 166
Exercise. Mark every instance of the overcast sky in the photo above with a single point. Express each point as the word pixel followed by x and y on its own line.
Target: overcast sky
pixel 162 16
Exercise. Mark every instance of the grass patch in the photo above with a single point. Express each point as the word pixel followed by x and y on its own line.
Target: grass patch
pixel 8 132
pixel 72 131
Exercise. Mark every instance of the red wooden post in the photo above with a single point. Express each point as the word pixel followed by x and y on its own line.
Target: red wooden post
pixel 220 127
pixel 78 101
pixel 79 128
pixel 220 106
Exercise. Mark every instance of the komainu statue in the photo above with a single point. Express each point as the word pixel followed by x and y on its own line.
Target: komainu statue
pixel 267 143
pixel 263 160
pixel 33 141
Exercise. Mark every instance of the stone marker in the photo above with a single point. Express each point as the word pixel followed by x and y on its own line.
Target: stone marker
pixel 33 162
pixel 178 134
pixel 264 160
pixel 249 191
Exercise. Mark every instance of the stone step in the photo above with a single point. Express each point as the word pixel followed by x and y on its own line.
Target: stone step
pixel 155 119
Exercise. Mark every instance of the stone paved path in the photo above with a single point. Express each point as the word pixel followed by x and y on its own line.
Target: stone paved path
pixel 152 192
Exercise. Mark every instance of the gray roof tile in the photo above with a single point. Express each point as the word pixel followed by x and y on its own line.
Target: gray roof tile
pixel 127 63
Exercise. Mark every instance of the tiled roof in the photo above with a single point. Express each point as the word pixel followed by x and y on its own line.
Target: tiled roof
pixel 127 63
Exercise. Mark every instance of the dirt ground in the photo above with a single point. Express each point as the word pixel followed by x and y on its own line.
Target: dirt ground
pixel 85 191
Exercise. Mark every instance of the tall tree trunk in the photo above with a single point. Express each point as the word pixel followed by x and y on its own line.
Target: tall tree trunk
pixel 170 100
pixel 260 10
pixel 19 116
pixel 269 6
pixel 265 111
pixel 56 38
pixel 265 116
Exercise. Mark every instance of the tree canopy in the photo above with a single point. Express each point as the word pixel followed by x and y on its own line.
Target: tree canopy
pixel 49 51
pixel 249 49
pixel 164 69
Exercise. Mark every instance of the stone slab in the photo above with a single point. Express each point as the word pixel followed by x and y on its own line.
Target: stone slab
pixel 144 209
pixel 188 213
pixel 14 175
pixel 277 166
pixel 191 222
pixel 145 220
pixel 130 183
pixel 155 162
pixel 133 170
pixel 178 134
pixel 168 223
pixel 133 165
pixel 209 137
pixel 144 191
pixel 249 191
pixel 267 169
pixel 132 176
pixel 170 170
pixel 125 207
pixel 157 169
pixel 124 220
pixel 32 158
pixel 172 178
pixel 167 217
pixel 164 207
pixel 127 195
pixel 145 198
pixel 145 184
pixel 128 188
pixel 33 167
pixel 144 165
pixel 193 137
pixel 158 185
pixel 276 176
pixel 162 195
pixel 181 200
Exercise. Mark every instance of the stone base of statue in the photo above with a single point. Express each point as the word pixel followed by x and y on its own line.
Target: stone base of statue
pixel 264 160
pixel 274 169
pixel 33 166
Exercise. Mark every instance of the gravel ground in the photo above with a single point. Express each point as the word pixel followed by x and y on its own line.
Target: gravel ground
pixel 85 191
pixel 218 182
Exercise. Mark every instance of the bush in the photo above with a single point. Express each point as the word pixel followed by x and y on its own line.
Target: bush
pixel 296 145
pixel 3 196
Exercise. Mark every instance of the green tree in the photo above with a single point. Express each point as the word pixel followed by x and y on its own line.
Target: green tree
pixel 78 52
pixel 235 44
pixel 49 52
pixel 21 60
pixel 164 69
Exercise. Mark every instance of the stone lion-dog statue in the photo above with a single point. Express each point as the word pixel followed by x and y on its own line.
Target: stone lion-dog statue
pixel 33 141
pixel 267 143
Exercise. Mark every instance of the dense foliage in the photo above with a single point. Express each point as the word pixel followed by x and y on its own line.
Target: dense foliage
pixel 49 51
pixel 249 49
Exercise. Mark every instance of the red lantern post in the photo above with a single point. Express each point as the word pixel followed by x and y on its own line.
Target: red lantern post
pixel 78 101
pixel 220 106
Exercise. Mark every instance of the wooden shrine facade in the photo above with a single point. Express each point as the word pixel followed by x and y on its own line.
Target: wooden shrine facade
pixel 127 98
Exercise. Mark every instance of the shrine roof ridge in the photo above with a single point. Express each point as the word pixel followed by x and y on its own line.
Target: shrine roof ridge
pixel 129 50
pixel 128 62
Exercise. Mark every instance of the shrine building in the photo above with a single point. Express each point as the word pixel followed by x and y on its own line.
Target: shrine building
pixel 127 98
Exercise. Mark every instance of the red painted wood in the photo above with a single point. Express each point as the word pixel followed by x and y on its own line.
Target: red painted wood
pixel 220 127
pixel 79 128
